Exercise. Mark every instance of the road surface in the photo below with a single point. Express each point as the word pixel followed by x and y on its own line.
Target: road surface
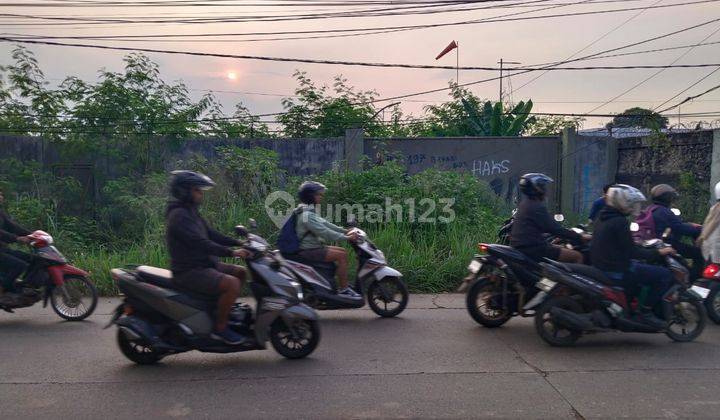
pixel 432 362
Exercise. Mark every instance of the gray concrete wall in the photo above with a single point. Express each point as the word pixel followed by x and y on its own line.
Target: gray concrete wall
pixel 497 160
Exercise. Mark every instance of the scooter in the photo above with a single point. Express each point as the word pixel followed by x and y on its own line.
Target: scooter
pixel 156 319
pixel 501 281
pixel 50 278
pixel 711 281
pixel 581 300
pixel 381 285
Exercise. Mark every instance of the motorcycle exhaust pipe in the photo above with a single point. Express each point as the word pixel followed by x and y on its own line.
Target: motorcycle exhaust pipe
pixel 571 320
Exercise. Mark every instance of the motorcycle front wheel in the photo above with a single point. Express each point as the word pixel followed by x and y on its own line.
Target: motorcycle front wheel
pixel 479 304
pixel 136 351
pixel 388 297
pixel 687 320
pixel 297 341
pixel 75 300
pixel 712 304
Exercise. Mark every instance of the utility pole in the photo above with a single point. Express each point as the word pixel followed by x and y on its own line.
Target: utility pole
pixel 501 62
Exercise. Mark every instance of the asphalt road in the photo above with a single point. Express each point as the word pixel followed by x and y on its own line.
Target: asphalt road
pixel 432 362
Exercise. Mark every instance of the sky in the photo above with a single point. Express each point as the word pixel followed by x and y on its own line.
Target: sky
pixel 260 85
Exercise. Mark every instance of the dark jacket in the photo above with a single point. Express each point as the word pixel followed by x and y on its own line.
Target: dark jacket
pixel 665 218
pixel 532 220
pixel 191 242
pixel 612 247
pixel 596 208
pixel 10 230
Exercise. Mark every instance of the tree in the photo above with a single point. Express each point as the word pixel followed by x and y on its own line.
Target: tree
pixel 640 118
pixel 552 125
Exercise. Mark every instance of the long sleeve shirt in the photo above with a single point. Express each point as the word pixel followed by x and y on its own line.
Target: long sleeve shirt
pixel 10 230
pixel 314 231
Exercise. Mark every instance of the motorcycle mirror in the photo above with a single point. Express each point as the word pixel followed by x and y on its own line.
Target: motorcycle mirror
pixel 676 212
pixel 559 218
pixel 253 224
pixel 634 227
pixel 241 230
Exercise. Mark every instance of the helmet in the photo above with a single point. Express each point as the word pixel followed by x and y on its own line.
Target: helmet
pixel 534 184
pixel 717 191
pixel 626 199
pixel 663 194
pixel 307 191
pixel 182 182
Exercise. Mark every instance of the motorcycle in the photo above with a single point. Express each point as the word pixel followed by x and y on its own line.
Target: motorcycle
pixel 156 319
pixel 711 281
pixel 581 299
pixel 50 278
pixel 382 286
pixel 501 281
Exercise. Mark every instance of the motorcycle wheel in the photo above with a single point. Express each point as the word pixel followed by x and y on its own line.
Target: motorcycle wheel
pixel 548 330
pixel 298 345
pixel 712 304
pixel 483 290
pixel 75 300
pixel 388 297
pixel 137 352
pixel 687 320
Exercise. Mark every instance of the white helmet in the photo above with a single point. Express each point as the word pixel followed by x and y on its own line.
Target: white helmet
pixel 626 199
pixel 717 191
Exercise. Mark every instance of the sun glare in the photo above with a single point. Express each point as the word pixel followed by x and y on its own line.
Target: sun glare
pixel 231 75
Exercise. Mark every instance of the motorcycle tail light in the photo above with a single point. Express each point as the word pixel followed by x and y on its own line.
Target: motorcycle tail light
pixel 483 248
pixel 711 271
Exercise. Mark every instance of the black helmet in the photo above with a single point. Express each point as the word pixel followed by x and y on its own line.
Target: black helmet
pixel 307 191
pixel 663 194
pixel 534 184
pixel 182 182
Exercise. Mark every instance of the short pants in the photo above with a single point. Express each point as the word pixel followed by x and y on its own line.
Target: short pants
pixel 314 254
pixel 539 252
pixel 204 280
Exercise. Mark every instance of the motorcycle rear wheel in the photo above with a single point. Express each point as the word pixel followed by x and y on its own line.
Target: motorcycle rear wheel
pixel 483 314
pixel 388 297
pixel 683 309
pixel 75 300
pixel 137 352
pixel 298 345
pixel 712 304
pixel 557 335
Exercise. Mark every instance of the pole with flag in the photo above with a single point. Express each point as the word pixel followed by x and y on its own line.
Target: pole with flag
pixel 452 46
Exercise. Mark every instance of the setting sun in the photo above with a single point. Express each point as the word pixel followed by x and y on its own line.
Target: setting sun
pixel 231 75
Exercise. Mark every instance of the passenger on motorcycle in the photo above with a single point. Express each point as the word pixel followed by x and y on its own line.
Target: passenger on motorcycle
pixel 598 204
pixel 12 262
pixel 532 222
pixel 314 232
pixel 663 196
pixel 613 251
pixel 194 249
pixel 709 239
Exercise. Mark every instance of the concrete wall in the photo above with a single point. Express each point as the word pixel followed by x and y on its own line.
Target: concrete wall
pixel 498 160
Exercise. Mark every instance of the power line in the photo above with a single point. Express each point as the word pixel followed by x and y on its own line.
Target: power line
pixel 685 90
pixel 690 98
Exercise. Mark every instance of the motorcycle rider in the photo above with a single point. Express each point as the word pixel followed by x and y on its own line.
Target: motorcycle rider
pixel 663 196
pixel 598 204
pixel 194 249
pixel 709 239
pixel 12 262
pixel 314 232
pixel 613 251
pixel 532 221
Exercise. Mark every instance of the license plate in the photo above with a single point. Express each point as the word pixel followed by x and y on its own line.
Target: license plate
pixel 545 284
pixel 703 292
pixel 474 266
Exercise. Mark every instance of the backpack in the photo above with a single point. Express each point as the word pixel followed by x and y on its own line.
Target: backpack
pixel 288 242
pixel 646 222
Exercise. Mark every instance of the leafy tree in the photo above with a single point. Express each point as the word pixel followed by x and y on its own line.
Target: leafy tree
pixel 639 117
pixel 552 125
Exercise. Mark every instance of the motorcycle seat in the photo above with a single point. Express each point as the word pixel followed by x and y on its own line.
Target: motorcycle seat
pixel 593 273
pixel 158 276
pixel 511 254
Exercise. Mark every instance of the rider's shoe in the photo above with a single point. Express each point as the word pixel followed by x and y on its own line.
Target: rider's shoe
pixel 648 317
pixel 349 292
pixel 228 336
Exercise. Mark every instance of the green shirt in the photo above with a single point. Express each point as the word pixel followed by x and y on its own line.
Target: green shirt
pixel 314 231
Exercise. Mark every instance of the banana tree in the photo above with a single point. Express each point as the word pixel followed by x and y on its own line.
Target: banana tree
pixel 494 120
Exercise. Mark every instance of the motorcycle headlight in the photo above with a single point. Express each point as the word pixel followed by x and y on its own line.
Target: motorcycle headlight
pixel 298 287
